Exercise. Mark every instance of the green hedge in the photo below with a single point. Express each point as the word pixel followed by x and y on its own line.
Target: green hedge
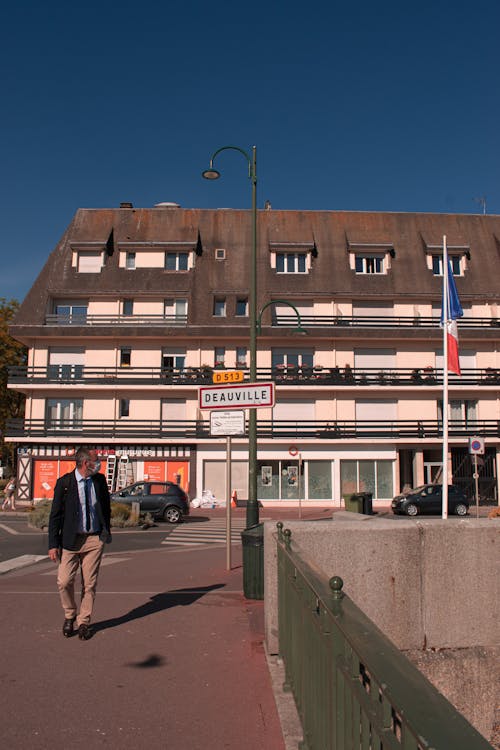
pixel 120 516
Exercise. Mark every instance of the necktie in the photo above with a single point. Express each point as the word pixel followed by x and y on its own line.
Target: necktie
pixel 87 504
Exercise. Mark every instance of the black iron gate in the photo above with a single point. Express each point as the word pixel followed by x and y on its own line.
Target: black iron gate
pixel 463 474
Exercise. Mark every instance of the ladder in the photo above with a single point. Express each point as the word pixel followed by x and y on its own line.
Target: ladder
pixel 111 472
pixel 125 473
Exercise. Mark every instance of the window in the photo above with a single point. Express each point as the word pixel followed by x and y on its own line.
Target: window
pixel 219 307
pixel 128 306
pixel 89 262
pixel 241 356
pixel 71 313
pixel 130 261
pixel 125 356
pixel 369 264
pixel 462 414
pixel 220 253
pixel 64 413
pixel 124 407
pixel 376 410
pixel 242 307
pixel 176 261
pixel 291 358
pixel 367 476
pixel 372 310
pixel 291 263
pixel 219 356
pixel 176 309
pixel 66 362
pixel 172 359
pixel 437 265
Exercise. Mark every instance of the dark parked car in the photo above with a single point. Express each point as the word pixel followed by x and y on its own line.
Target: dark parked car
pixel 162 499
pixel 428 499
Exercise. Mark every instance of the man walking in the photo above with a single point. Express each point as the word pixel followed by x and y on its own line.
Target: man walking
pixel 79 526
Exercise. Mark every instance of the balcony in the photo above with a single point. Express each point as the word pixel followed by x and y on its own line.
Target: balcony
pixel 381 321
pixel 56 319
pixel 109 429
pixel 286 375
pixel 281 321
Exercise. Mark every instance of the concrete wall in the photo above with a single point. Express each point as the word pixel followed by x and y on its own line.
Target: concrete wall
pixel 431 586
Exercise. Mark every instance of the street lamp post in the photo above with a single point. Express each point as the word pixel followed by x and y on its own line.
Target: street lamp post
pixel 252 517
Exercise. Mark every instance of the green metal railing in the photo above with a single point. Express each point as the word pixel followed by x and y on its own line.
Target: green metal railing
pixel 352 687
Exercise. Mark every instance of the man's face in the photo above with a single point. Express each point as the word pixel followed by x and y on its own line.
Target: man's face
pixel 90 464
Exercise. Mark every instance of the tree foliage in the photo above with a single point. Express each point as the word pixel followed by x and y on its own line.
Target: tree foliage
pixel 11 353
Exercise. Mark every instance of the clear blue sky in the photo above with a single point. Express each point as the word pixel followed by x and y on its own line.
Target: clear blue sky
pixel 389 106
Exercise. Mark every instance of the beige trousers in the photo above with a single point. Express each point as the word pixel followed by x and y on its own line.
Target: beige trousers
pixel 87 556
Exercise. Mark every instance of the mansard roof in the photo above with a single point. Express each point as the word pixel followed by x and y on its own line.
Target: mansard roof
pixel 332 234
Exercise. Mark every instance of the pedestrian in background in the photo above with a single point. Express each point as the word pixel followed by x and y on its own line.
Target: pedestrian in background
pixel 10 495
pixel 79 526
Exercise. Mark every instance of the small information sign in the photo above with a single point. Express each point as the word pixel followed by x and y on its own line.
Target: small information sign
pixel 227 423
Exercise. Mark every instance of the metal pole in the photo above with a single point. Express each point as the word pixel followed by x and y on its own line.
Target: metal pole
pixel 228 503
pixel 300 493
pixel 252 515
pixel 476 479
pixel 444 485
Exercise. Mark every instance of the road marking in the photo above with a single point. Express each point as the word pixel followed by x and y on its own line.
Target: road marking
pixel 7 528
pixel 212 532
pixel 20 562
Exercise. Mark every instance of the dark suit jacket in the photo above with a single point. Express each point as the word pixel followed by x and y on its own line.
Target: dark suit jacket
pixel 63 519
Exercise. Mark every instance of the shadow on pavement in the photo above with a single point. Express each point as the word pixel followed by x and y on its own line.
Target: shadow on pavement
pixel 157 603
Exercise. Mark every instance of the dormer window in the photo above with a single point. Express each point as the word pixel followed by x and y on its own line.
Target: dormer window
pixel 437 265
pixel 458 256
pixel 291 263
pixel 370 257
pixel 369 264
pixel 292 257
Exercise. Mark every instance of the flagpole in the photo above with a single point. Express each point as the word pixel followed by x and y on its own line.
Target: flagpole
pixel 446 307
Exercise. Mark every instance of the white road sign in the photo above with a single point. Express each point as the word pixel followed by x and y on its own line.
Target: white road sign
pixel 242 396
pixel 227 423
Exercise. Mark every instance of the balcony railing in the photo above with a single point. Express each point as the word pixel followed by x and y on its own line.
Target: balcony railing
pixel 104 429
pixel 282 375
pixel 281 321
pixel 57 319
pixel 380 321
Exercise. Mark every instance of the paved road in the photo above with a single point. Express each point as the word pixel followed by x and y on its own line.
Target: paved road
pixel 176 662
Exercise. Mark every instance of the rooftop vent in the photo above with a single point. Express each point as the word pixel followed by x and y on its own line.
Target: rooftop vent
pixel 167 205
pixel 126 204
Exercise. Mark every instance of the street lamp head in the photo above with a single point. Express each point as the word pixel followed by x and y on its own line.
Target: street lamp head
pixel 299 331
pixel 210 174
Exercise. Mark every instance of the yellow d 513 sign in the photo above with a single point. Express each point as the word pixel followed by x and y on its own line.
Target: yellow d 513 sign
pixel 227 376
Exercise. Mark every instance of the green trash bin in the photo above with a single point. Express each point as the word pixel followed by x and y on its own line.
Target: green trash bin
pixel 252 540
pixel 354 502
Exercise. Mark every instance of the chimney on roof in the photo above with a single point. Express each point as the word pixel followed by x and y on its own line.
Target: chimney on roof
pixel 126 204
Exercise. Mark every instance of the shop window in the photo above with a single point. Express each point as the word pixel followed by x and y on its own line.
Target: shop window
pixel 367 476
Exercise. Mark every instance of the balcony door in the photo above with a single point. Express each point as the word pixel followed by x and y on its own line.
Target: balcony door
pixel 64 413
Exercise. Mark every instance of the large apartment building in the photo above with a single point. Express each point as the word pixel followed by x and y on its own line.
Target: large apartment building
pixel 136 308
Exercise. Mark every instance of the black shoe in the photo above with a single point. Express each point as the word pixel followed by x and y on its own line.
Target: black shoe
pixel 84 632
pixel 68 627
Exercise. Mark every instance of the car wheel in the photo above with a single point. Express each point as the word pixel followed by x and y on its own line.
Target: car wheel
pixel 461 509
pixel 172 514
pixel 411 510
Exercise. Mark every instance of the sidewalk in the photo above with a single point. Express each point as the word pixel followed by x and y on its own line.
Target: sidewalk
pixel 177 660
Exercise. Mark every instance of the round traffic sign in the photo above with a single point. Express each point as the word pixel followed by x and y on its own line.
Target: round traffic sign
pixel 293 450
pixel 475 445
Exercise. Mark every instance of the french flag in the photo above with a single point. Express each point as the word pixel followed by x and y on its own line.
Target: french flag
pixel 449 319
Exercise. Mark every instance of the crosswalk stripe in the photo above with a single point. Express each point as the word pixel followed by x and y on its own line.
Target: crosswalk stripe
pixel 213 532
